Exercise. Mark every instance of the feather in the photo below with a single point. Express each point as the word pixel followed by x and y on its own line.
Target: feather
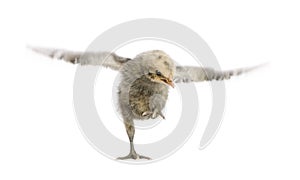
pixel 186 74
pixel 106 59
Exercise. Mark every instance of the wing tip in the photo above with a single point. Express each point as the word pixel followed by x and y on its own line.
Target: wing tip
pixel 259 66
pixel 41 50
pixel 32 48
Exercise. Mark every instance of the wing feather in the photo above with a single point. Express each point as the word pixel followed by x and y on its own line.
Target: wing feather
pixel 106 59
pixel 185 74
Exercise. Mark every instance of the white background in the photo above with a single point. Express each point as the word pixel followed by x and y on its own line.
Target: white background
pixel 259 137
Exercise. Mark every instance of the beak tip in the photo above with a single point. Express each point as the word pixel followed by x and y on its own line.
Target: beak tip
pixel 172 84
pixel 169 82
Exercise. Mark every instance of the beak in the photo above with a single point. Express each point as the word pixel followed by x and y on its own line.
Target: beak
pixel 169 82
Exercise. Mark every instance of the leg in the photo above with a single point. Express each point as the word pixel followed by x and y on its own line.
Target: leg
pixel 129 125
pixel 156 104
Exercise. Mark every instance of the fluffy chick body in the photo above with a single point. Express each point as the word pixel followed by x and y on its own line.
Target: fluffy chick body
pixel 138 93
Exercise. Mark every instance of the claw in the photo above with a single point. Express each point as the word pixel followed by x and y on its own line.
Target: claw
pixel 161 114
pixel 153 114
pixel 147 113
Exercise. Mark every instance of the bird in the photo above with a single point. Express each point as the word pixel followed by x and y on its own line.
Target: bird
pixel 145 81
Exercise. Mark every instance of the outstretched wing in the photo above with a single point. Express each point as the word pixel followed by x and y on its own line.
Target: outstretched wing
pixel 196 74
pixel 106 59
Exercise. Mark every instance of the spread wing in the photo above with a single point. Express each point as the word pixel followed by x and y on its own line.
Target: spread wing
pixel 187 74
pixel 106 59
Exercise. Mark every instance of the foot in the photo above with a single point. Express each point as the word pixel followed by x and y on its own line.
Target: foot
pixel 153 114
pixel 133 155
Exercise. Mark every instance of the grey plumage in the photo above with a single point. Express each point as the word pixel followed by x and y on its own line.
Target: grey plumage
pixel 105 59
pixel 145 79
pixel 197 74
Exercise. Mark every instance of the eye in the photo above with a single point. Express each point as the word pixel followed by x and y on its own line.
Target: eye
pixel 158 73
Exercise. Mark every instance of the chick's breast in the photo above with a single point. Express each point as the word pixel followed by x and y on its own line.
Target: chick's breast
pixel 141 95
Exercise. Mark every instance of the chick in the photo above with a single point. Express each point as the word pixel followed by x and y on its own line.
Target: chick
pixel 145 80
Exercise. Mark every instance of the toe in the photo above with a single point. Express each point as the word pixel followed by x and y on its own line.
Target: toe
pixel 144 157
